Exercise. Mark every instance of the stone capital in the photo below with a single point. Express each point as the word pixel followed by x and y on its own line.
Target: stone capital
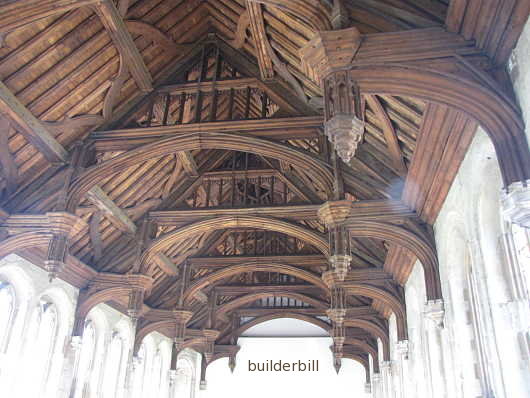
pixel 172 377
pixel 367 388
pixel 516 203
pixel 376 378
pixel 75 343
pixel 386 366
pixel 434 311
pixel 402 348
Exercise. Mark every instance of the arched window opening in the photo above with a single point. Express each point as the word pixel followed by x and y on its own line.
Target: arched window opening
pixel 114 371
pixel 156 374
pixel 7 314
pixel 39 351
pixel 86 361
pixel 184 381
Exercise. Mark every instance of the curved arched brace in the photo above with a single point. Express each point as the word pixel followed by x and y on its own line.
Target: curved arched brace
pixel 23 241
pixel 500 118
pixel 363 361
pixel 375 330
pixel 210 279
pixel 377 293
pixel 86 303
pixel 270 224
pixel 425 252
pixel 313 12
pixel 248 298
pixel 196 342
pixel 364 347
pixel 154 34
pixel 315 167
pixel 150 328
pixel 290 315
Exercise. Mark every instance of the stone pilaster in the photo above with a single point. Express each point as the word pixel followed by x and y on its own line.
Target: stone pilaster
pixel 172 379
pixel 386 373
pixel 402 349
pixel 434 313
pixel 376 385
pixel 368 388
pixel 71 363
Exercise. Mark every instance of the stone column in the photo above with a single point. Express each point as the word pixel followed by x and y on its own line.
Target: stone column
pixel 172 382
pixel 434 314
pixel 516 203
pixel 132 365
pixel 71 365
pixel 368 387
pixel 386 373
pixel 376 385
pixel 402 349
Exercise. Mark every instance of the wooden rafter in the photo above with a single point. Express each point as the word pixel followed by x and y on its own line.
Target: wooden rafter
pixel 391 137
pixel 18 13
pixel 188 163
pixel 279 128
pixel 9 168
pixel 260 38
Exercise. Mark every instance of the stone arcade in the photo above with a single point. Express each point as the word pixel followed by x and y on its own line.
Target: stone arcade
pixel 176 172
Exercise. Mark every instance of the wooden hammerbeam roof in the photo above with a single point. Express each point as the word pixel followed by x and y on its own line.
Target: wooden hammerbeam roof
pixel 89 85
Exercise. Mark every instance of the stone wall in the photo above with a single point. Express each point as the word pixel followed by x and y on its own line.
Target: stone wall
pixel 481 348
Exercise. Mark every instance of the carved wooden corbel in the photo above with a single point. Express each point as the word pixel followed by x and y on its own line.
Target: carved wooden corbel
pixel 329 54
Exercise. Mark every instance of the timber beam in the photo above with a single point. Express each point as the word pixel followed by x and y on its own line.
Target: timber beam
pixel 166 264
pixel 383 210
pixel 302 212
pixel 259 35
pixel 116 28
pixel 30 127
pixel 235 290
pixel 281 129
pixel 219 85
pixel 308 260
pixel 352 312
pixel 116 215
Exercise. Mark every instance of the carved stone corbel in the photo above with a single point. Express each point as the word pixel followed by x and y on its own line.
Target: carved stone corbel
pixel 516 203
pixel 434 312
